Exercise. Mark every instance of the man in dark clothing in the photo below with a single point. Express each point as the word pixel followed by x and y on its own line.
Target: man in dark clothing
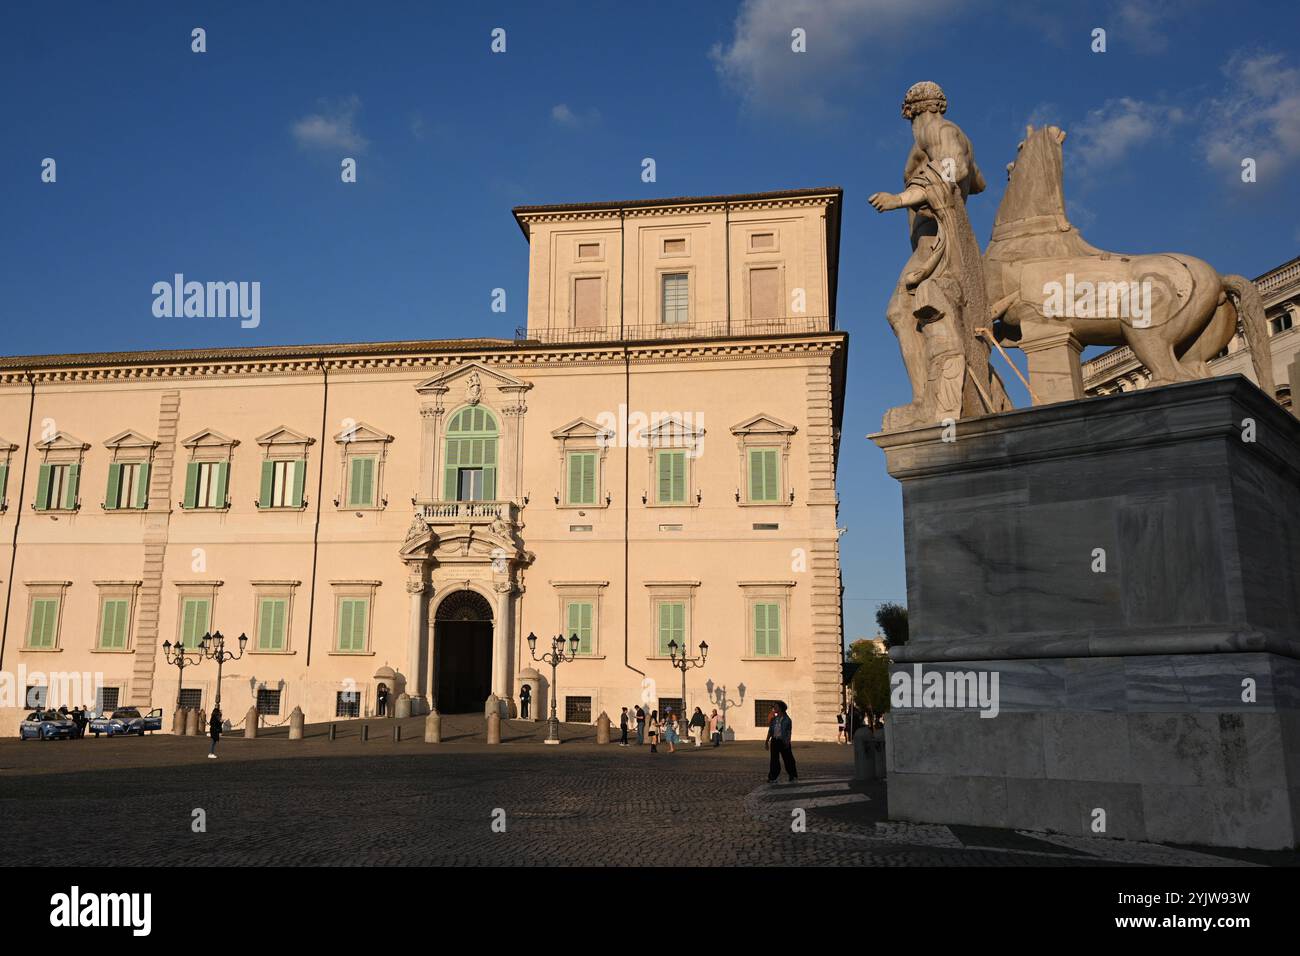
pixel 640 726
pixel 779 731
pixel 381 700
pixel 525 702
pixel 214 729
pixel 622 726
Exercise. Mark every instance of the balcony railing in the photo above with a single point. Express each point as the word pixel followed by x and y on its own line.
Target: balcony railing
pixel 469 512
pixel 684 330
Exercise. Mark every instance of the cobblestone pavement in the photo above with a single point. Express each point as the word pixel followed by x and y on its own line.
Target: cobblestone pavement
pixel 322 802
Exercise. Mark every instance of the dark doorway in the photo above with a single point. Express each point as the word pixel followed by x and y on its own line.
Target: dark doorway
pixel 462 637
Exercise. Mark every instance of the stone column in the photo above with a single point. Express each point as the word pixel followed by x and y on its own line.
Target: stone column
pixel 415 588
pixel 502 629
pixel 430 422
pixel 1053 356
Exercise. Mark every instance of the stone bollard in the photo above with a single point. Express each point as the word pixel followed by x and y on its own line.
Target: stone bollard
pixel 403 708
pixel 602 728
pixel 492 705
pixel 193 718
pixel 295 724
pixel 250 723
pixel 365 732
pixel 433 728
pixel 178 721
pixel 397 733
pixel 334 731
pixel 494 728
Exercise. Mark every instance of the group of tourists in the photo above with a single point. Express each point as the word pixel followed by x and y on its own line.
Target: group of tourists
pixel 669 728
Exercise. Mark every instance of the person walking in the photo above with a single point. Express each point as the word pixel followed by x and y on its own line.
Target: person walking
pixel 715 728
pixel 670 731
pixel 622 726
pixel 640 726
pixel 653 731
pixel 698 723
pixel 214 728
pixel 779 732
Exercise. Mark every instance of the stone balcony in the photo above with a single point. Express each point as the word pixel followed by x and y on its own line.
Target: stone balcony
pixel 467 512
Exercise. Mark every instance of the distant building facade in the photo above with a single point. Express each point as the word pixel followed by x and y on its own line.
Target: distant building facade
pixel 1118 370
pixel 650 464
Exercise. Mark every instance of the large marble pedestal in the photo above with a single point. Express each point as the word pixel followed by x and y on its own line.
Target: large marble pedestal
pixel 1158 698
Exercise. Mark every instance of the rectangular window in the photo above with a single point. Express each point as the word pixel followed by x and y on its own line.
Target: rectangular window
pixel 191 697
pixel 268 702
pixel 205 484
pixel 469 484
pixel 582 478
pixel 676 298
pixel 675 704
pixel 672 626
pixel 282 483
pixel 670 471
pixel 586 303
pixel 361 481
pixel 128 486
pixel 347 703
pixel 45 623
pixel 271 616
pixel 764 293
pixel 109 699
pixel 767 630
pixel 1281 323
pixel 578 616
pixel 194 620
pixel 113 623
pixel 577 710
pixel 763 712
pixel 764 475
pixel 353 613
pixel 56 487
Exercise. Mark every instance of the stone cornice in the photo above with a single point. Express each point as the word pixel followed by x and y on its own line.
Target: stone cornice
pixel 391 357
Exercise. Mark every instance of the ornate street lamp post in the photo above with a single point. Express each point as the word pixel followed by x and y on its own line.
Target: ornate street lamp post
pixel 180 660
pixel 684 664
pixel 213 647
pixel 555 657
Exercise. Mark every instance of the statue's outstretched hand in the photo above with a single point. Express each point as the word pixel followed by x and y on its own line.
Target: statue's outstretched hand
pixel 883 202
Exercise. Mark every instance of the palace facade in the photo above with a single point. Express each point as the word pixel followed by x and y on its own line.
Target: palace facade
pixel 649 465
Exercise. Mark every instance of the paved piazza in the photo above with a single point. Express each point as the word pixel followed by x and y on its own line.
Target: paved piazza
pixel 317 802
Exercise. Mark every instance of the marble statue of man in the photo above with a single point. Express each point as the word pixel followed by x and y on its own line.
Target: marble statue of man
pixel 940 297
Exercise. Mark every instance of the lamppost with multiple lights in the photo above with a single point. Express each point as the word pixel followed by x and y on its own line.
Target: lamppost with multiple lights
pixel 213 647
pixel 684 664
pixel 180 660
pixel 555 657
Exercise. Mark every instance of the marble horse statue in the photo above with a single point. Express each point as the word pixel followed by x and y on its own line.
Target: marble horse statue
pixel 1051 293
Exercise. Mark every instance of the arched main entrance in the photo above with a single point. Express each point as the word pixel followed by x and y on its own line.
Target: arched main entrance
pixel 462 641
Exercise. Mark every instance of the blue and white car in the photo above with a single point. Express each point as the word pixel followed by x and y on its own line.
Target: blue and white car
pixel 46 725
pixel 126 720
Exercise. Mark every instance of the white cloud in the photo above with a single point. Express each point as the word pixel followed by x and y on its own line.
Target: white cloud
pixel 333 128
pixel 563 115
pixel 760 66
pixel 1143 24
pixel 1256 117
pixel 1108 134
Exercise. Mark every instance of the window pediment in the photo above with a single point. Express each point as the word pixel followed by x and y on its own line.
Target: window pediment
pixel 62 441
pixel 284 437
pixel 672 432
pixel 583 430
pixel 362 433
pixel 487 375
pixel 764 426
pixel 209 438
pixel 130 441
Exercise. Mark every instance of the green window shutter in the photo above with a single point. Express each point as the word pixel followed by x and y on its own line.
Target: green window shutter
pixel 582 478
pixel 43 488
pixel 120 622
pixel 191 484
pixel 223 479
pixel 359 625
pixel 345 625
pixel 270 630
pixel 767 630
pixel 194 621
pixel 142 488
pixel 764 484
pixel 452 463
pixel 672 627
pixel 74 480
pixel 4 481
pixel 361 486
pixel 672 477
pixel 114 483
pixel 268 482
pixel 299 478
pixel 45 618
pixel 352 624
pixel 112 629
pixel 771 475
pixel 665 464
pixel 579 622
pixel 489 483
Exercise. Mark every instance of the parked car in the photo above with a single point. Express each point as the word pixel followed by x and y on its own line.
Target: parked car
pixel 126 720
pixel 46 725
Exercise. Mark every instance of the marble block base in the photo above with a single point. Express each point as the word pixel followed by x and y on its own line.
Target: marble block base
pixel 1129 569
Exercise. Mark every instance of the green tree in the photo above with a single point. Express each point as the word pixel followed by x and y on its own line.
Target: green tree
pixel 892 619
pixel 870 684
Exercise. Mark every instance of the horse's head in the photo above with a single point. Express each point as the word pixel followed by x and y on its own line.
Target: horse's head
pixel 1034 177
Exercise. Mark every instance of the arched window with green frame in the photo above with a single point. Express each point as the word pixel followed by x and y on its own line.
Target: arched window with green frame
pixel 469 471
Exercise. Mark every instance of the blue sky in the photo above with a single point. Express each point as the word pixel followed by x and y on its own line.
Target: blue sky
pixel 225 164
